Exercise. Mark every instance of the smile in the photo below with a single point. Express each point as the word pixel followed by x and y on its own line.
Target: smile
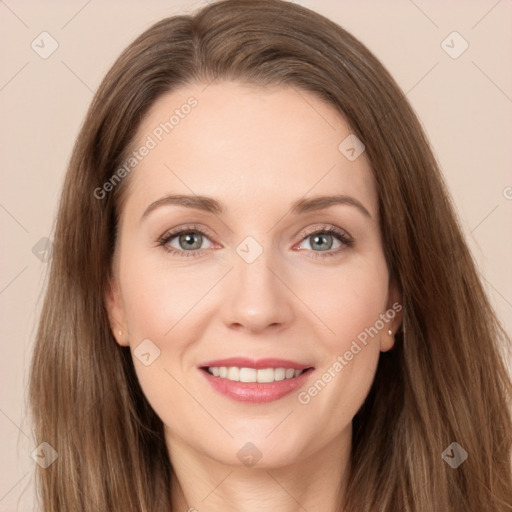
pixel 247 380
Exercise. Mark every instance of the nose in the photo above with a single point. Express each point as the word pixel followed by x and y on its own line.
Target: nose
pixel 257 296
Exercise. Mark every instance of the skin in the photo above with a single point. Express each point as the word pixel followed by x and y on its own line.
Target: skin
pixel 256 150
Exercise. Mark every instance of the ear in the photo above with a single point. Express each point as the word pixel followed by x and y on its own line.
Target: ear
pixel 393 315
pixel 116 313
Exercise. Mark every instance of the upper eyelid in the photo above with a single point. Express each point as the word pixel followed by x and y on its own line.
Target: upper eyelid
pixel 171 233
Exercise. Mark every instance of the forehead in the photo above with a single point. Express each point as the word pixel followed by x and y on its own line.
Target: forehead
pixel 246 145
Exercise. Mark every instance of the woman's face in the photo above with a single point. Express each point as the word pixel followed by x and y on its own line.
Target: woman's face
pixel 254 276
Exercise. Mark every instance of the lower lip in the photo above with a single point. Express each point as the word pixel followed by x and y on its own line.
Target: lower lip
pixel 256 392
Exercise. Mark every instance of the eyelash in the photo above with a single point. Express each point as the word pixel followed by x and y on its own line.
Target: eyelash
pixel 346 241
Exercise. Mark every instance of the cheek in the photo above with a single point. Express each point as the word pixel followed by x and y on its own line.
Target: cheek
pixel 158 297
pixel 347 300
pixel 350 306
pixel 163 304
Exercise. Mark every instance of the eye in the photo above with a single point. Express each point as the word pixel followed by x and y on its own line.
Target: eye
pixel 189 241
pixel 322 239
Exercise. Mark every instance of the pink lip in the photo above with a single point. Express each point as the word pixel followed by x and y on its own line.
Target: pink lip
pixel 255 392
pixel 244 362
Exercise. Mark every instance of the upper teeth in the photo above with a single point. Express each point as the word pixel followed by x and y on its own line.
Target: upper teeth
pixel 253 375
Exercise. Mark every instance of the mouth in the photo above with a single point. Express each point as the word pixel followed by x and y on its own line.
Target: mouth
pixel 247 380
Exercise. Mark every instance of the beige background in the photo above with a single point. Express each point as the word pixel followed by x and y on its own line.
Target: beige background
pixel 465 105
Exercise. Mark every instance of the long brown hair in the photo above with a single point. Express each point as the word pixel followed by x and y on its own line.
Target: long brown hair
pixel 445 379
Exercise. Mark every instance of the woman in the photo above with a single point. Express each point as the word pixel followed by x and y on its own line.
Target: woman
pixel 199 349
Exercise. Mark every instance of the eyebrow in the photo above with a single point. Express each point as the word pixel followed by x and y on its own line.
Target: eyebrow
pixel 211 205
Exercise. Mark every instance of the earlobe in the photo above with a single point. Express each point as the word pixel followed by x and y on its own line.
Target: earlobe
pixel 121 337
pixel 116 315
pixel 387 340
pixel 393 316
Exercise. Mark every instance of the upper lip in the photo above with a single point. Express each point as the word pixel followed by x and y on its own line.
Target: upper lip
pixel 245 362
